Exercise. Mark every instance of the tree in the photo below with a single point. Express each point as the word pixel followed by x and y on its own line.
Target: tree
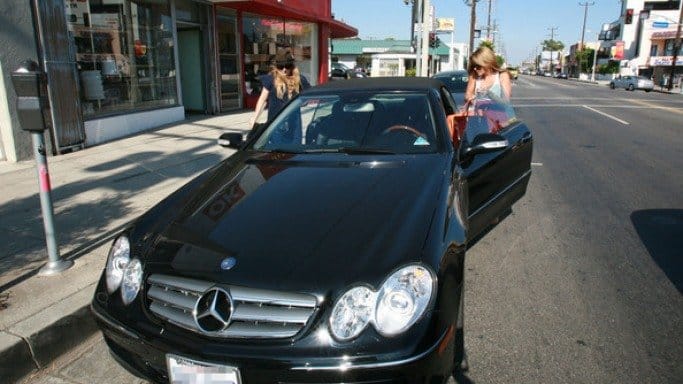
pixel 364 61
pixel 585 58
pixel 552 46
pixel 489 44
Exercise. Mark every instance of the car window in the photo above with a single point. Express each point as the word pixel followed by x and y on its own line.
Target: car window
pixel 384 122
pixel 455 82
pixel 491 114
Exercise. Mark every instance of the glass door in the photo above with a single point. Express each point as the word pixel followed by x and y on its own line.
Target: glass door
pixel 228 59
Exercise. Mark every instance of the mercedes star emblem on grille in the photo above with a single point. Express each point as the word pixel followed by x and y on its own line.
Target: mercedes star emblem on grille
pixel 213 310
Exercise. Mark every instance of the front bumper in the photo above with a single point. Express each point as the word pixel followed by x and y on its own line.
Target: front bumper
pixel 145 356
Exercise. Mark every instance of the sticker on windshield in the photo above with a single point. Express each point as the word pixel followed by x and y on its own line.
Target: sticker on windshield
pixel 421 141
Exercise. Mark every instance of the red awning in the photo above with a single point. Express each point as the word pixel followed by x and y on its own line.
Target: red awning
pixel 338 29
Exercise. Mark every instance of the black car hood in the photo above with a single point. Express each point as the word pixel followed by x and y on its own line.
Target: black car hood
pixel 306 222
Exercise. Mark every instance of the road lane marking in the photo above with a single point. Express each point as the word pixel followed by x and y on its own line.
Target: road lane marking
pixel 654 106
pixel 607 115
pixel 537 164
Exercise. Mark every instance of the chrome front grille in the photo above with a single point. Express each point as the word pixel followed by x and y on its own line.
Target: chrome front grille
pixel 256 313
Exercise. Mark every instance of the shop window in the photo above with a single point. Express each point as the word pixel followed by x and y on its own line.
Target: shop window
pixel 263 37
pixel 653 50
pixel 124 54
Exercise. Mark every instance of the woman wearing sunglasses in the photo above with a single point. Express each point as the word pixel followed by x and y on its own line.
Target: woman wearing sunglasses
pixel 280 85
pixel 486 76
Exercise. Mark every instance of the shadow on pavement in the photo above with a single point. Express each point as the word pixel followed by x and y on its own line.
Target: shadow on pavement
pixel 661 231
pixel 85 209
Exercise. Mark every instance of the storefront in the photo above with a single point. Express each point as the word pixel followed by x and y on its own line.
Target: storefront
pixel 266 26
pixel 661 58
pixel 117 67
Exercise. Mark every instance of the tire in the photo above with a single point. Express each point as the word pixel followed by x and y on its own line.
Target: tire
pixel 611 85
pixel 631 87
pixel 648 90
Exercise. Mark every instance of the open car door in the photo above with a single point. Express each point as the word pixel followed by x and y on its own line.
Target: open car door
pixel 495 155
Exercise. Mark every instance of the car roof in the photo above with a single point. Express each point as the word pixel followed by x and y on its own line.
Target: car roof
pixel 457 72
pixel 378 84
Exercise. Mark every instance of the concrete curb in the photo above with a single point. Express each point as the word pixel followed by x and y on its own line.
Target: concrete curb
pixel 34 343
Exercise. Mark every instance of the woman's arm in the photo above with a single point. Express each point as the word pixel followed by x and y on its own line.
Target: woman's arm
pixel 260 104
pixel 471 84
pixel 506 84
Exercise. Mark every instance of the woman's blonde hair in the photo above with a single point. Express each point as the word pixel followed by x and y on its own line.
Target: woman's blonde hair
pixel 290 84
pixel 483 57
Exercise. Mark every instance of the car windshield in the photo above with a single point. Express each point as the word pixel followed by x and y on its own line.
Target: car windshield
pixel 358 122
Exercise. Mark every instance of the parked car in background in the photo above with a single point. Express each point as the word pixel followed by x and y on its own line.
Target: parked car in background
pixel 339 71
pixel 456 82
pixel 330 248
pixel 632 83
pixel 561 75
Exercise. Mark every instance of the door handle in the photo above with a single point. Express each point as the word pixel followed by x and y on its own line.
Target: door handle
pixel 526 138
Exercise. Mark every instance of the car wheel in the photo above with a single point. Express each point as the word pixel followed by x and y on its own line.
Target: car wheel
pixel 631 87
pixel 611 85
pixel 647 90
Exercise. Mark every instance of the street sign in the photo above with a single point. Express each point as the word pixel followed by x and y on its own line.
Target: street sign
pixel 660 24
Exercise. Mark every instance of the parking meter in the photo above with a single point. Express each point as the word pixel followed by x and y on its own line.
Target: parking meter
pixel 30 86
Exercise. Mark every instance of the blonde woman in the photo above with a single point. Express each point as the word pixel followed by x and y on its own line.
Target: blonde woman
pixel 279 86
pixel 485 75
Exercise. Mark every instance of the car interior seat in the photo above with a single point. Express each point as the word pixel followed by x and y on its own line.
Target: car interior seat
pixel 344 126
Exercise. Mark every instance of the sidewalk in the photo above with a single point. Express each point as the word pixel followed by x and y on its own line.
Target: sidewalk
pixel 95 193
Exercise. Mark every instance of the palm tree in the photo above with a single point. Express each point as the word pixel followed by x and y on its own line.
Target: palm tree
pixel 552 46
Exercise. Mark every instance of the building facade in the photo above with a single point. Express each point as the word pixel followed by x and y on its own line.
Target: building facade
pixel 117 67
pixel 642 39
pixel 389 57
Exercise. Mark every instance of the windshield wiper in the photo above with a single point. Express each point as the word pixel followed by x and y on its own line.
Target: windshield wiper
pixel 352 150
pixel 280 150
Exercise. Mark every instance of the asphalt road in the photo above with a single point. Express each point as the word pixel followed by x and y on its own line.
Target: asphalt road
pixel 583 282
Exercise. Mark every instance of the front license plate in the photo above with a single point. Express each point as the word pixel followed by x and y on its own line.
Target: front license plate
pixel 182 370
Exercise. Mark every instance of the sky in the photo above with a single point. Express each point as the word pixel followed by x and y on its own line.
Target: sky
pixel 522 24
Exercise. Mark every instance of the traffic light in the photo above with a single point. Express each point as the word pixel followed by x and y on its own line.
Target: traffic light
pixel 433 40
pixel 628 19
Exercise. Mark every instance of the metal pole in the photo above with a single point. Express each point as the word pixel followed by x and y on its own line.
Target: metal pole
pixel 418 40
pixel 595 61
pixel 426 28
pixel 677 47
pixel 54 264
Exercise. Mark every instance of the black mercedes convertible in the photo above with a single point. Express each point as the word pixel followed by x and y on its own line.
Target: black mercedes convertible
pixel 329 248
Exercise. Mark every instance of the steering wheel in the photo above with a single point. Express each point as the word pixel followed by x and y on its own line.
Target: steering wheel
pixel 403 128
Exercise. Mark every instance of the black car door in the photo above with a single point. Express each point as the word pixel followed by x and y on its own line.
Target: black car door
pixel 496 178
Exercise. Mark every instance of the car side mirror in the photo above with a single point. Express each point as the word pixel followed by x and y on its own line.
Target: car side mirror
pixel 231 140
pixel 484 143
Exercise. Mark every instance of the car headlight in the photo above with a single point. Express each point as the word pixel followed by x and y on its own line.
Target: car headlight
pixel 403 299
pixel 132 280
pixel 119 256
pixel 352 313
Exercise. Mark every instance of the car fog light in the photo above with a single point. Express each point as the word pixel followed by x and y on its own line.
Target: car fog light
pixel 352 313
pixel 132 280
pixel 403 299
pixel 119 255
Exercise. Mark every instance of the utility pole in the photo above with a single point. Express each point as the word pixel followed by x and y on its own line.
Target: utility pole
pixel 677 47
pixel 585 14
pixel 473 21
pixel 488 23
pixel 552 42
